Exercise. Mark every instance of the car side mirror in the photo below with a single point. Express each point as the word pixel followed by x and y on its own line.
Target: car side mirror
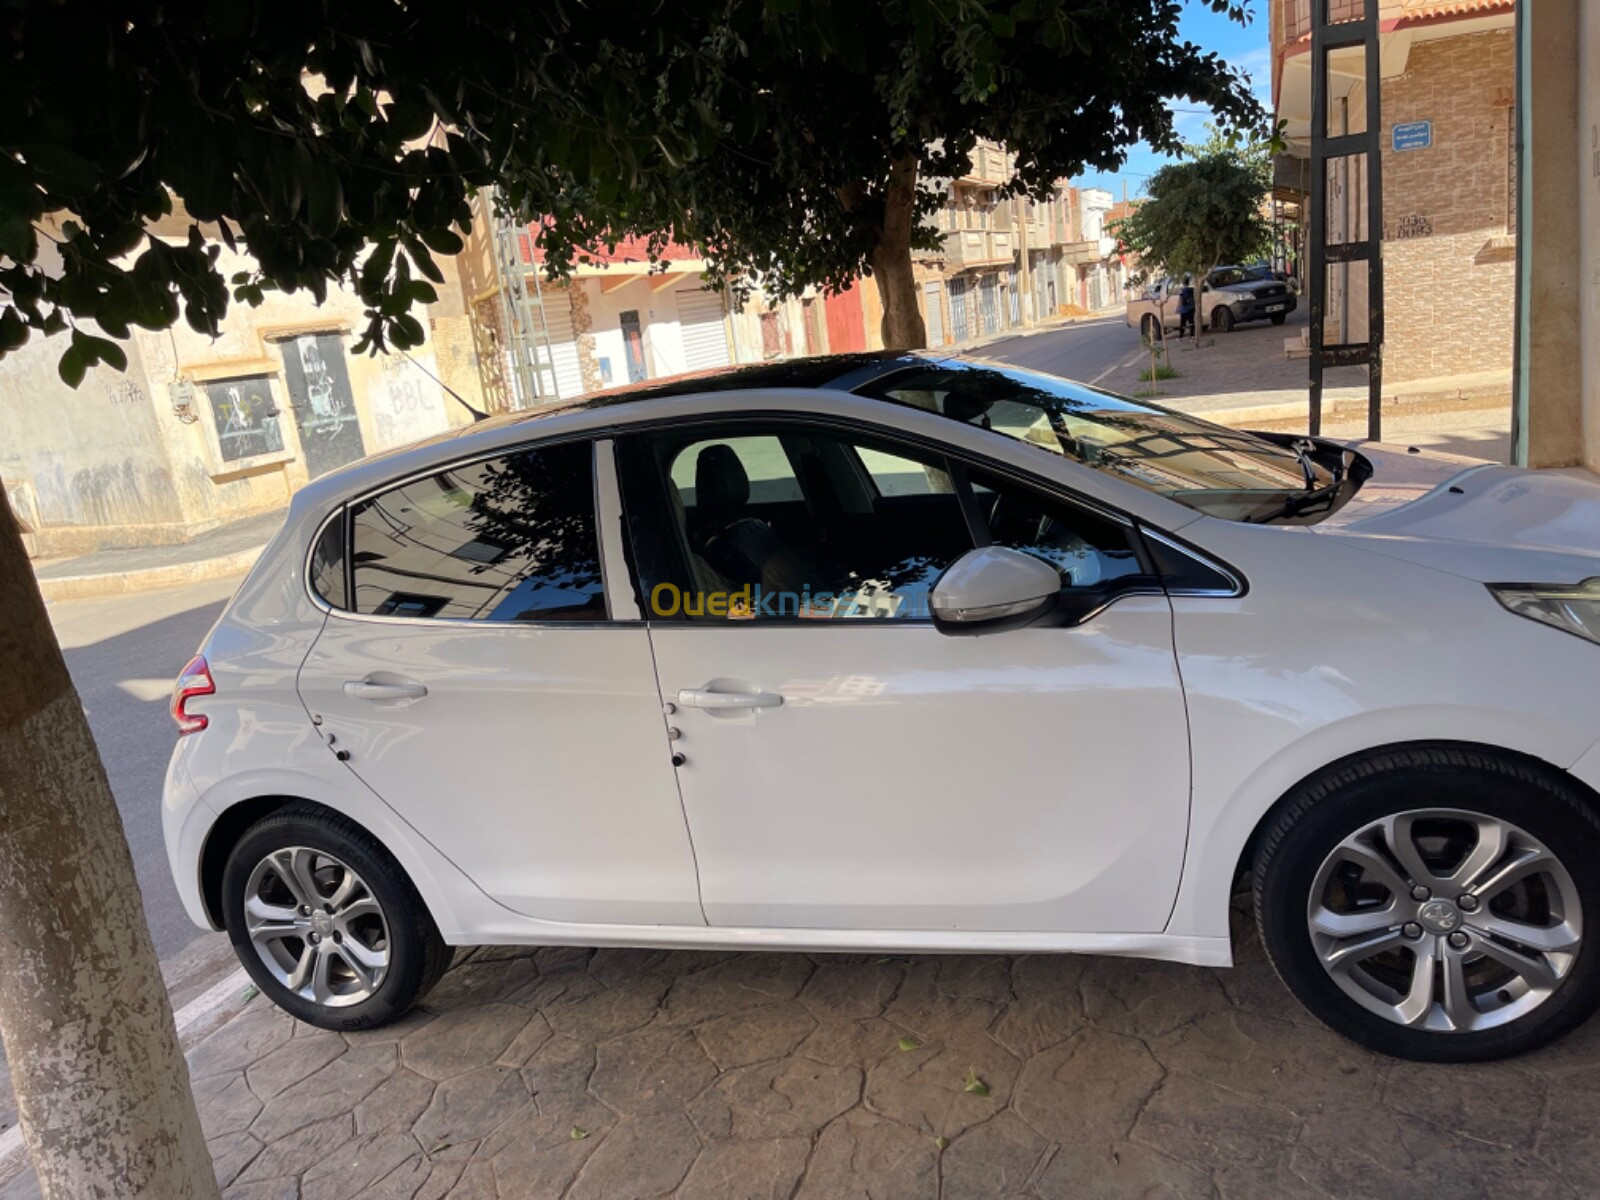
pixel 994 588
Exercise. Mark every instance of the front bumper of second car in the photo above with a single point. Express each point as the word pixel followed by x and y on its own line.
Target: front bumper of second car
pixel 1259 308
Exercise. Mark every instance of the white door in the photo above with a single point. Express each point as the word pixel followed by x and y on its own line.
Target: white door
pixel 705 342
pixel 479 688
pixel 847 765
pixel 931 294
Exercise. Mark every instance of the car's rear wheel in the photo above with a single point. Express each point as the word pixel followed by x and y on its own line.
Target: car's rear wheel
pixel 1148 329
pixel 1279 318
pixel 326 922
pixel 1222 318
pixel 1431 903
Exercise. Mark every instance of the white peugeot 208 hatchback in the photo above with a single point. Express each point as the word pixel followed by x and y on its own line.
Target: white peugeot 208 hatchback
pixel 909 653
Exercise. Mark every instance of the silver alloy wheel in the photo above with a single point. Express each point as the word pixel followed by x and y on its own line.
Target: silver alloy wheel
pixel 1445 920
pixel 317 926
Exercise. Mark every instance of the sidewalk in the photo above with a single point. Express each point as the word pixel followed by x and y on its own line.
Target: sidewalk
pixel 228 549
pixel 615 1074
pixel 1244 378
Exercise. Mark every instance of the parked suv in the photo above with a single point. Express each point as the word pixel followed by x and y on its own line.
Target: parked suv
pixel 1230 295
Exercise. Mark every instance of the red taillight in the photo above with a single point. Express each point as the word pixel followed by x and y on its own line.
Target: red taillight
pixel 195 681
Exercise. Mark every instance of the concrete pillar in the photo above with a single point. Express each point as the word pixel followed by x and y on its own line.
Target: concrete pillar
pixel 1556 254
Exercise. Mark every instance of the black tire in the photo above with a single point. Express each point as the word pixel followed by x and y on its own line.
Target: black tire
pixel 417 955
pixel 1222 318
pixel 1148 329
pixel 1278 318
pixel 1318 816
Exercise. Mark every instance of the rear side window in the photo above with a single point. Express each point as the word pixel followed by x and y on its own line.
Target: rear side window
pixel 327 563
pixel 504 539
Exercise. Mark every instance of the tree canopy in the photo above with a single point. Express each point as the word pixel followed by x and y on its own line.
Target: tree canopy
pixel 339 141
pixel 1204 210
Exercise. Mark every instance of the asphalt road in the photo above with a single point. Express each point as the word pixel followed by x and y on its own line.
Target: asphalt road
pixel 1081 351
pixel 123 652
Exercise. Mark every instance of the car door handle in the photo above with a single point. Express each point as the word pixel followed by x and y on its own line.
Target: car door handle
pixel 706 698
pixel 365 689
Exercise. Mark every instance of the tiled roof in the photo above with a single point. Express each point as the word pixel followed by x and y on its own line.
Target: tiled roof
pixel 1433 10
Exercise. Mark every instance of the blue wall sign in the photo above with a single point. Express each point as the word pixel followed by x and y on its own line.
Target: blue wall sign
pixel 1412 135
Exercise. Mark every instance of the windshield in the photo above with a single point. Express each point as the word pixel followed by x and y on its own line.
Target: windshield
pixel 1219 471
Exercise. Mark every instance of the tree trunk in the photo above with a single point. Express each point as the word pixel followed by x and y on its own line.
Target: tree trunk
pixel 101 1085
pixel 903 327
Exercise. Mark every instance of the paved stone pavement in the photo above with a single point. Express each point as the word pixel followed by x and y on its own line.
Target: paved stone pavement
pixel 756 1075
pixel 626 1073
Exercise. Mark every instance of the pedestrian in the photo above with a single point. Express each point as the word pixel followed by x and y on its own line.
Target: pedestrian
pixel 1186 308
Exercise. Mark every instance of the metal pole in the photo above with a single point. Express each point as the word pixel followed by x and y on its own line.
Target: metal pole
pixel 1374 225
pixel 1316 267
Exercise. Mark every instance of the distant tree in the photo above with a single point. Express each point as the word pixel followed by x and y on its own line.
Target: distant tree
pixel 338 142
pixel 1203 211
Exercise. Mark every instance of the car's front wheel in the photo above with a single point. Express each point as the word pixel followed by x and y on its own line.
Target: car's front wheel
pixel 1430 903
pixel 1222 319
pixel 326 922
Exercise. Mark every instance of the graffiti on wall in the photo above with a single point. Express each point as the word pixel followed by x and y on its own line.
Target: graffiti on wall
pixel 244 416
pixel 324 409
pixel 1412 225
pixel 406 405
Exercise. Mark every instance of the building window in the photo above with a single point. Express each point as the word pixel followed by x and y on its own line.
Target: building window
pixel 771 338
pixel 245 417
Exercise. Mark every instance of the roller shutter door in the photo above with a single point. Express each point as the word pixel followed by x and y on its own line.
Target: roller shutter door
pixel 705 344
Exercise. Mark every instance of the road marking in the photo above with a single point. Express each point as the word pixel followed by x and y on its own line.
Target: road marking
pixel 1136 356
pixel 146 689
pixel 186 1018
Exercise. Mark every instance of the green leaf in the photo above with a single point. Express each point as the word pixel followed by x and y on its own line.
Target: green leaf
pixel 578 1134
pixel 908 1043
pixel 441 240
pixel 975 1085
pixel 324 199
pixel 250 993
pixel 99 349
pixel 74 365
pixel 63 170
pixel 13 330
pixel 941 1142
pixel 408 121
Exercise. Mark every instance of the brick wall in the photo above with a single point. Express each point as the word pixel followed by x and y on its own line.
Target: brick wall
pixel 1448 263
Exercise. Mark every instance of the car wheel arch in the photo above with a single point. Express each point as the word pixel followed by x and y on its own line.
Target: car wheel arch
pixel 238 817
pixel 1244 865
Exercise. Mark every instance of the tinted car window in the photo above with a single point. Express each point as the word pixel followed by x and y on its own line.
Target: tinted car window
pixel 328 563
pixel 504 539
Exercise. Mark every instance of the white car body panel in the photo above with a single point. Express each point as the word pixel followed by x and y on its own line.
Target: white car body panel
pixel 1368 629
pixel 1277 691
pixel 555 793
pixel 990 761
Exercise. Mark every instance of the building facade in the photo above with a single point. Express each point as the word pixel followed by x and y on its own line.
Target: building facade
pixel 200 432
pixel 1448 177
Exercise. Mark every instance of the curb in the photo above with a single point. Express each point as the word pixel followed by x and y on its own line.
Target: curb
pixel 114 583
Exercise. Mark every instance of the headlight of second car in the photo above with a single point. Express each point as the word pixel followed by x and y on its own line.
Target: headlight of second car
pixel 1571 607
